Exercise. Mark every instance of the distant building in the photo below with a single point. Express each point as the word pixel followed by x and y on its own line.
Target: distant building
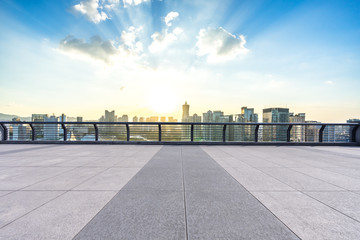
pixel 297 131
pixel 110 116
pixel 18 130
pixel 79 119
pixel 51 131
pixel 185 112
pixel 123 118
pixel 141 119
pixel 38 128
pixel 197 128
pixel 162 119
pixel 172 119
pixel 275 115
pixel 312 132
pixel 214 133
pixel 152 119
pixel 245 132
pixel 135 119
pixel 62 118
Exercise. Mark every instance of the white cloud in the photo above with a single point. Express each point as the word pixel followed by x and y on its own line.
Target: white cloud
pixel 171 17
pixel 219 45
pixel 163 40
pixel 92 10
pixel 133 2
pixel 130 40
pixel 97 48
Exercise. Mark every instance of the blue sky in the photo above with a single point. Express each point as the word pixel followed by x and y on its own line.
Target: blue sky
pixel 146 57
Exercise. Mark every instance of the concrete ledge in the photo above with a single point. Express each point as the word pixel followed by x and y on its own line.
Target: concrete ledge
pixel 189 143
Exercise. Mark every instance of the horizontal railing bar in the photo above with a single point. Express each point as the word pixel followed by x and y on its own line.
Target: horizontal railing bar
pixel 185 123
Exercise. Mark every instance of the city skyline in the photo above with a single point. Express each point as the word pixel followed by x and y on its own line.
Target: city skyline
pixel 146 57
pixel 246 114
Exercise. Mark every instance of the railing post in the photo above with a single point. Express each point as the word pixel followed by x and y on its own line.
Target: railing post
pixel 127 132
pixel 32 132
pixel 288 133
pixel 65 131
pixel 353 133
pixel 159 125
pixel 192 133
pixel 224 133
pixel 321 133
pixel 5 132
pixel 257 133
pixel 96 132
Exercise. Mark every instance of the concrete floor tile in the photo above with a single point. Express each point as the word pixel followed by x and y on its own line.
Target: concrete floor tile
pixel 231 215
pixel 308 218
pixel 156 179
pixel 17 204
pixel 299 181
pixel 67 180
pixel 210 180
pixel 111 179
pixel 139 215
pixel 60 219
pixel 36 175
pixel 345 202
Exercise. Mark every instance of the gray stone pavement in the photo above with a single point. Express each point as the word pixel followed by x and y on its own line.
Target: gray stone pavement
pixel 179 192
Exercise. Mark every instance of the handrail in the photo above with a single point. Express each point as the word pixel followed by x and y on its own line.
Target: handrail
pixel 226 128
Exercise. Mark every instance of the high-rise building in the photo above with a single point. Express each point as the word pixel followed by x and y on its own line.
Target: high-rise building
pixel 79 119
pixel 38 128
pixel 297 131
pixel 123 118
pixel 110 116
pixel 275 115
pixel 135 119
pixel 18 130
pixel 245 132
pixel 312 132
pixel 185 112
pixel 51 131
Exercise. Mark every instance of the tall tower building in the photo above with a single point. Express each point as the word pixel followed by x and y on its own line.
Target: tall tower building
pixel 298 131
pixel 275 115
pixel 185 112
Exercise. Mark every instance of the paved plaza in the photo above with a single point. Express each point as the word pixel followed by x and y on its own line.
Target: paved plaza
pixel 179 192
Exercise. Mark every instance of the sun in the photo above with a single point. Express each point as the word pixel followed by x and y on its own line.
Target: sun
pixel 162 100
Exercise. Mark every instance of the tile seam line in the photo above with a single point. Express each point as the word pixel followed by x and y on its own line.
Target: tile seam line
pixel 292 169
pixel 300 191
pixel 254 196
pixel 184 193
pixel 64 192
pixel 114 194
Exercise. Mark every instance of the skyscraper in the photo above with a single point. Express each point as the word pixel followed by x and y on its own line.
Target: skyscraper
pixel 245 132
pixel 275 115
pixel 51 131
pixel 297 131
pixel 185 112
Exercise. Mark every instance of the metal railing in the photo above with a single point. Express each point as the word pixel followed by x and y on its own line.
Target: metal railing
pixel 179 132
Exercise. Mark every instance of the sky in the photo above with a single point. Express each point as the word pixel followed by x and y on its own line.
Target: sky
pixel 147 57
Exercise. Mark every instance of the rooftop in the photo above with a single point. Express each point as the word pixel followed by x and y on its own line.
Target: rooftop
pixel 179 192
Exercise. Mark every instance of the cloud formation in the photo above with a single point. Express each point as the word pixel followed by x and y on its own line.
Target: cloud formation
pixel 220 45
pixel 133 2
pixel 171 17
pixel 97 48
pixel 92 10
pixel 130 41
pixel 163 40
